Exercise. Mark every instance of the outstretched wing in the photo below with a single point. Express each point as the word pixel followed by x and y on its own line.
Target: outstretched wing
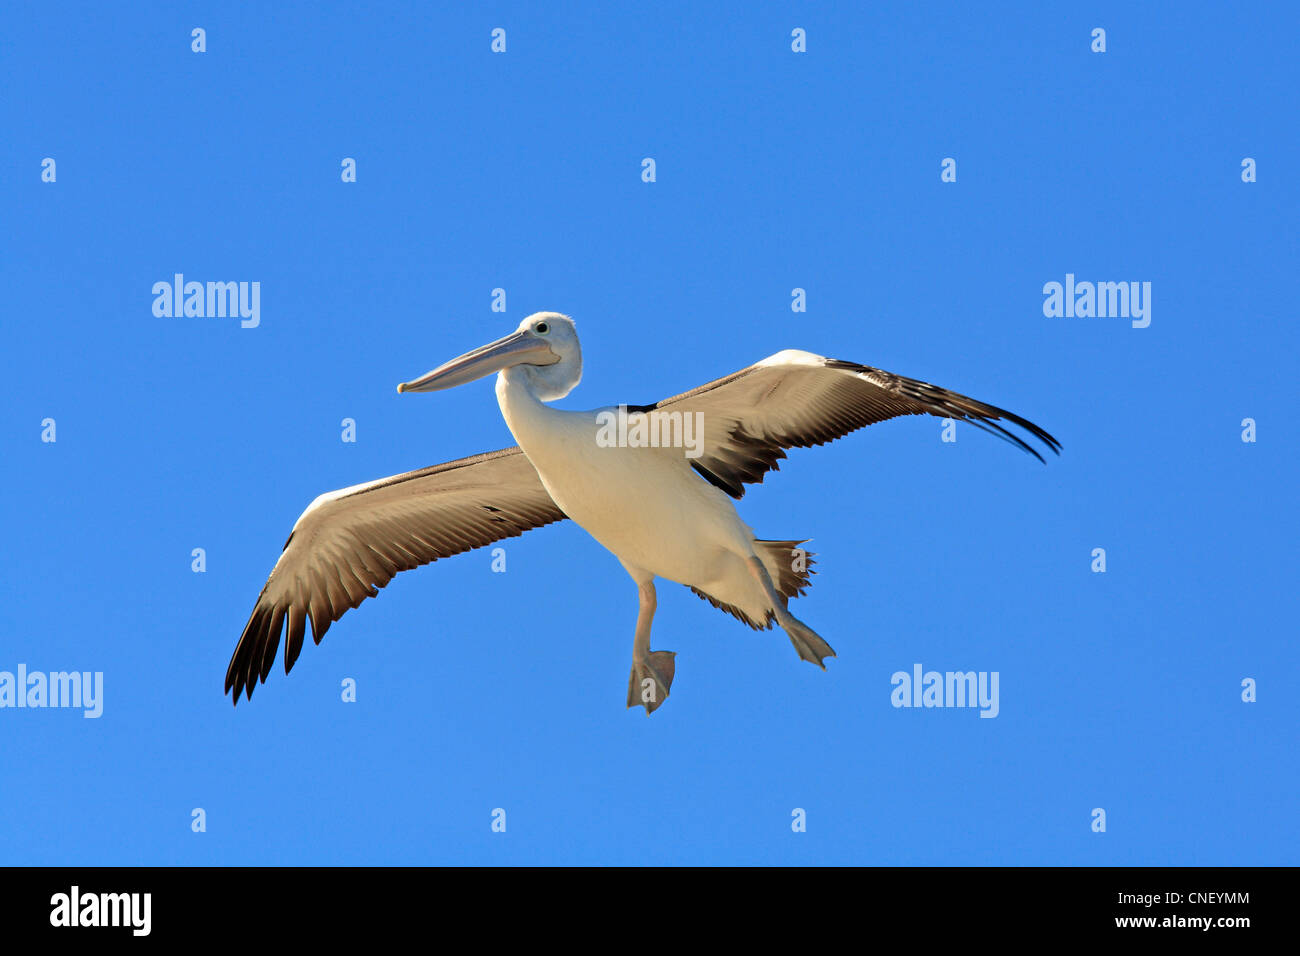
pixel 350 543
pixel 796 399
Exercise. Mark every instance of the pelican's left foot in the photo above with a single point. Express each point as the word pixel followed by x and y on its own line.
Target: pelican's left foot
pixel 651 680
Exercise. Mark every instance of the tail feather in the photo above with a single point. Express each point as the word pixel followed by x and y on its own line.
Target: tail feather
pixel 790 568
pixel 789 565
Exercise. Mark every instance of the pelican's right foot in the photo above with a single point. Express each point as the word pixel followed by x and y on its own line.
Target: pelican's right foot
pixel 650 680
pixel 807 642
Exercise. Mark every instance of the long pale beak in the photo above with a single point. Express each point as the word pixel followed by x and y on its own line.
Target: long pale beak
pixel 518 348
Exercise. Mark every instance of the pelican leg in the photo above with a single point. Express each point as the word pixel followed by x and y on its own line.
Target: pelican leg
pixel 652 671
pixel 807 642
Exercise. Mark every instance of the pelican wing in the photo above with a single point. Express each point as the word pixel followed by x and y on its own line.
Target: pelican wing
pixel 350 543
pixel 796 399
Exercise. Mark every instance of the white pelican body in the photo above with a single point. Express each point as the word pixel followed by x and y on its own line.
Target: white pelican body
pixel 665 512
pixel 645 505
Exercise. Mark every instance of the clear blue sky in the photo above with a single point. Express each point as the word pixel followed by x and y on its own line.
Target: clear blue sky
pixel 775 170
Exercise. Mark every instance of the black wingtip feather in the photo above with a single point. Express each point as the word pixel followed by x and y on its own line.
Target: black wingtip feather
pixel 293 643
pixel 271 644
pixel 945 403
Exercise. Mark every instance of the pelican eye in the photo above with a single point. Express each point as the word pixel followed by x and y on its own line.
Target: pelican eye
pixel 541 328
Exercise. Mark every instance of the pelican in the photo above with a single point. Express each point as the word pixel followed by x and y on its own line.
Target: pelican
pixel 663 507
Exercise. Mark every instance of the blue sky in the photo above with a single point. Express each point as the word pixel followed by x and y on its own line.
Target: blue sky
pixel 775 170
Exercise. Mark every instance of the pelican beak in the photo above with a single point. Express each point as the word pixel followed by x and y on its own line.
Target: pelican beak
pixel 517 348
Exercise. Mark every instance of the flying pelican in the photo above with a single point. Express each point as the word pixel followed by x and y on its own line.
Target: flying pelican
pixel 663 511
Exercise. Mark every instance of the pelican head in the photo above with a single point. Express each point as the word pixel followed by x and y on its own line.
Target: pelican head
pixel 544 349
